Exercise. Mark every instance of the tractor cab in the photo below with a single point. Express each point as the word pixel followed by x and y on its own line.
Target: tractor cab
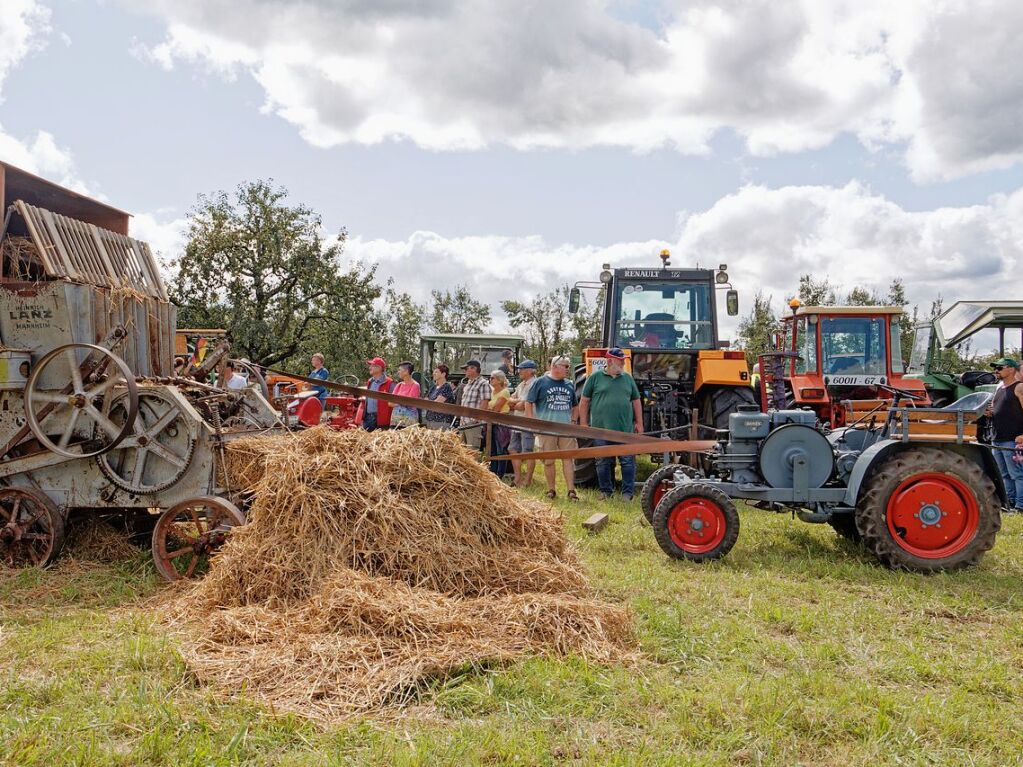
pixel 838 353
pixel 454 350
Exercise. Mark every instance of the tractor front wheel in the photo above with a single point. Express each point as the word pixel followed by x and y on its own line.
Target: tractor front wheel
pixel 659 484
pixel 696 521
pixel 928 510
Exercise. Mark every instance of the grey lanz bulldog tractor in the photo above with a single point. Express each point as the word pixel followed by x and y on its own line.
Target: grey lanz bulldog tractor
pixel 911 483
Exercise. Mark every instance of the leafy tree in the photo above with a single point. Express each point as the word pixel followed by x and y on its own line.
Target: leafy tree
pixel 586 322
pixel 545 323
pixel 863 297
pixel 458 312
pixel 816 292
pixel 259 268
pixel 757 329
pixel 405 320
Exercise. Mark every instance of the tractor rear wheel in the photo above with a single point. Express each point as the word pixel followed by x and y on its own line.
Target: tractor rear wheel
pixel 845 526
pixel 659 484
pixel 928 510
pixel 696 521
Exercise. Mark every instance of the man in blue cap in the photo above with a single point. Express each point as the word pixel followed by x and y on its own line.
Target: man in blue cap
pixel 1007 419
pixel 523 441
pixel 611 401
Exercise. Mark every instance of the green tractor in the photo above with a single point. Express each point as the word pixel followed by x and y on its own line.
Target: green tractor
pixel 930 361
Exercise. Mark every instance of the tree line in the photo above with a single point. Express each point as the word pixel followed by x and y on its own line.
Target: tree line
pixel 262 269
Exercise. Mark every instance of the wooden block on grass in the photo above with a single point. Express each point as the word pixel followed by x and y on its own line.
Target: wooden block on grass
pixel 596 522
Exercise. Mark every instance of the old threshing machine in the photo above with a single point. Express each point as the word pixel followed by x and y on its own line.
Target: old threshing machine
pixel 92 417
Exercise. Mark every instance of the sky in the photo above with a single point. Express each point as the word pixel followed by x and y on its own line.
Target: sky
pixel 515 147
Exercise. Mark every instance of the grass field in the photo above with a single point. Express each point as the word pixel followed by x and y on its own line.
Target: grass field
pixel 796 649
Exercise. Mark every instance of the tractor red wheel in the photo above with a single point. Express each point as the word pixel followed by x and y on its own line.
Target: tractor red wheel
pixel 933 515
pixel 928 509
pixel 697 522
pixel 659 484
pixel 189 534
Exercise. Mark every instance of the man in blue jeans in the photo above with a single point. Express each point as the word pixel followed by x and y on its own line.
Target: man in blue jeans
pixel 1007 419
pixel 611 401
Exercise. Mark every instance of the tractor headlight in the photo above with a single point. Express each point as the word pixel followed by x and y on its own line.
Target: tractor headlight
pixel 605 276
pixel 721 278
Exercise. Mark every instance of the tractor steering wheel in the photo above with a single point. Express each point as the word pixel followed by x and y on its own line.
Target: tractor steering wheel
pixel 898 394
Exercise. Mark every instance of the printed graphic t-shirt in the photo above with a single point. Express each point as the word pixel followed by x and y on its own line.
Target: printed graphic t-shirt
pixel 553 399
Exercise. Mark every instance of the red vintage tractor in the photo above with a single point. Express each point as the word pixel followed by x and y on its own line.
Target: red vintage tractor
pixel 830 354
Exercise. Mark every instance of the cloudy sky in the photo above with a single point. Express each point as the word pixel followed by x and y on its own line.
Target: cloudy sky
pixel 515 146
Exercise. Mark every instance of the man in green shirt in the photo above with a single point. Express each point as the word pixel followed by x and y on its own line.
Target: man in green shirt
pixel 611 401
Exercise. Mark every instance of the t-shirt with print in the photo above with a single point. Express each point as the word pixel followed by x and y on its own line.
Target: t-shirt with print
pixel 553 399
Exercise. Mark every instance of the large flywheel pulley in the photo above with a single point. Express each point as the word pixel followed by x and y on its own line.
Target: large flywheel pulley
pixel 68 398
pixel 159 449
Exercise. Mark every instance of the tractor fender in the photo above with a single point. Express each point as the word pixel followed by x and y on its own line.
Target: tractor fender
pixel 880 451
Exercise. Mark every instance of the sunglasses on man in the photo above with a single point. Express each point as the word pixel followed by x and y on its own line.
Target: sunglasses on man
pixel 999 367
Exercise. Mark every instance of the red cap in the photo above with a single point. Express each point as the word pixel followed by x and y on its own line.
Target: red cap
pixel 378 361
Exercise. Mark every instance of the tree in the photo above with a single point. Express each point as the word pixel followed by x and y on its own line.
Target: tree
pixel 259 268
pixel 405 320
pixel 816 292
pixel 757 329
pixel 545 323
pixel 458 312
pixel 863 297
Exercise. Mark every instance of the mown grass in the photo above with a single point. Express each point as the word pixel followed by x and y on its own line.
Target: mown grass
pixel 795 649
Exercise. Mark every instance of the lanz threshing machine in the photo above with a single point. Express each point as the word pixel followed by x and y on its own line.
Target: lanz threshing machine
pixel 92 416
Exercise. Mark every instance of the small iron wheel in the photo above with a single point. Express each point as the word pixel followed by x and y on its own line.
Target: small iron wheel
pixel 31 528
pixel 79 412
pixel 189 534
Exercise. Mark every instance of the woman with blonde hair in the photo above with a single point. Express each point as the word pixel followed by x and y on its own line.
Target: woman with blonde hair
pixel 499 403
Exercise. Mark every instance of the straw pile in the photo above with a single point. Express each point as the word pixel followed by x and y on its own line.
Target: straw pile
pixel 372 563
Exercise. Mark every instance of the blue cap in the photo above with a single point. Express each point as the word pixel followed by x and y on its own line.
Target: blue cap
pixel 616 352
pixel 526 365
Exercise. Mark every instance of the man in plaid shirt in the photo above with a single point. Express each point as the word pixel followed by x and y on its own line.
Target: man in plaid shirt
pixel 475 391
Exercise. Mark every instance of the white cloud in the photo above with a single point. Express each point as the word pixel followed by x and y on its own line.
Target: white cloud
pixel 936 78
pixel 24 25
pixel 768 237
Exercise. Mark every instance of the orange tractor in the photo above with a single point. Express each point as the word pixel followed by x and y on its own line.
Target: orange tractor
pixel 827 355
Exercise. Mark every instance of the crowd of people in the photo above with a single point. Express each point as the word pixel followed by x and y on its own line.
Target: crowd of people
pixel 609 400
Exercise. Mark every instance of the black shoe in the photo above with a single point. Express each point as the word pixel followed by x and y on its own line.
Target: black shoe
pixel 605 497
pixel 627 498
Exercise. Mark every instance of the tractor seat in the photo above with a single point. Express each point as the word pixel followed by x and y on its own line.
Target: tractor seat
pixel 974 378
pixel 975 403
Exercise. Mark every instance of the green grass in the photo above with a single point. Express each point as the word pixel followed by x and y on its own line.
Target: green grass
pixel 795 649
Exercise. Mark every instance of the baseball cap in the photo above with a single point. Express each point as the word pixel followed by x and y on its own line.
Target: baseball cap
pixel 1005 362
pixel 378 361
pixel 472 364
pixel 616 352
pixel 526 365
